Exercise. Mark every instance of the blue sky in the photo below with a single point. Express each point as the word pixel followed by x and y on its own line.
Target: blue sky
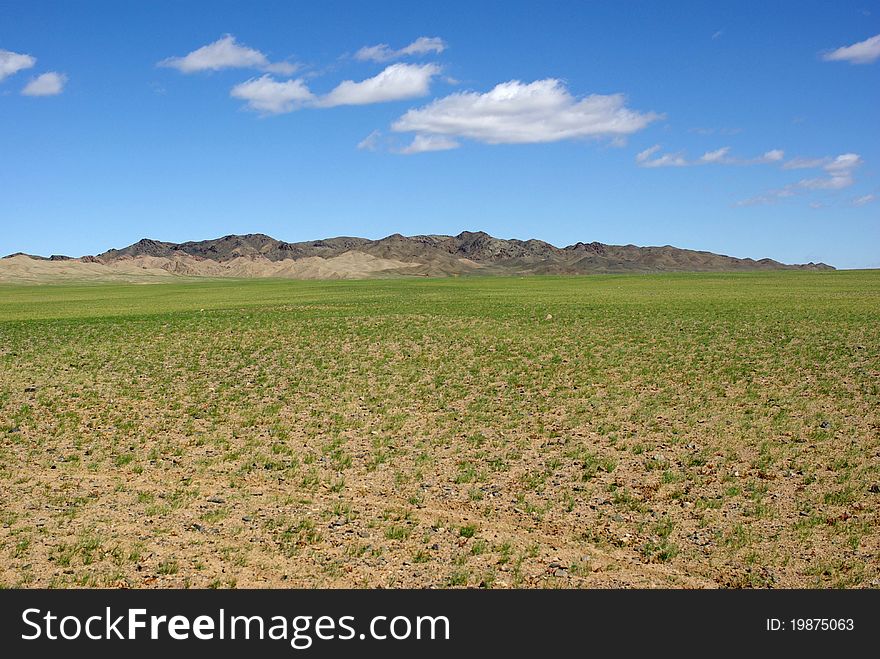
pixel 745 128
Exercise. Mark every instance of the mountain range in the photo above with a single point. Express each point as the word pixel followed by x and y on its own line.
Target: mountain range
pixel 259 255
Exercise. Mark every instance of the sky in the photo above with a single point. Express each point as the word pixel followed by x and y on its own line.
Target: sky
pixel 743 128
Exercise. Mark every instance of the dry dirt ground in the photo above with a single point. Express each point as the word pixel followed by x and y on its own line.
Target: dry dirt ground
pixel 607 431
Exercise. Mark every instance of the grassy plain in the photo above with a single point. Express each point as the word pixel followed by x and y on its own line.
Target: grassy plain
pixel 671 430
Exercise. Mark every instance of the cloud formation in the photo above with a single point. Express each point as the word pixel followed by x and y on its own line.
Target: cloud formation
pixel 226 53
pixel 11 63
pixel 396 82
pixel 47 84
pixel 269 96
pixel 647 158
pixel 864 199
pixel 383 53
pixel 805 163
pixel 863 52
pixel 370 142
pixel 424 143
pixel 838 174
pixel 518 113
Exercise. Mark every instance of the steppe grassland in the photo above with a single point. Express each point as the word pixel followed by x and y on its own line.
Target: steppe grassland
pixel 668 430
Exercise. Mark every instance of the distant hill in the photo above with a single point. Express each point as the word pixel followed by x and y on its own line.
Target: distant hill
pixel 258 255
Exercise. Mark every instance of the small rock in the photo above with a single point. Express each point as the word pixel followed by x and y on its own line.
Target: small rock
pixel 549 316
pixel 16 429
pixel 874 489
pixel 216 500
pixel 30 390
pixel 825 424
pixel 197 527
pixel 247 518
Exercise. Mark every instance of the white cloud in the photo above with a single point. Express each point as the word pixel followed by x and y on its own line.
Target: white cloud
pixel 804 163
pixel 518 113
pixel 863 52
pixel 424 143
pixel 642 156
pixel 717 157
pixel 645 158
pixel 864 199
pixel 11 63
pixel 269 96
pixel 47 84
pixel 839 174
pixel 396 82
pixel 774 155
pixel 383 53
pixel 370 142
pixel 226 53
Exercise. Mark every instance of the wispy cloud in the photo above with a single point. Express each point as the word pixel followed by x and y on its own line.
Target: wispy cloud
pixel 226 53
pixel 383 53
pixel 717 156
pixel 648 158
pixel 47 84
pixel 839 173
pixel 425 143
pixel 713 131
pixel 269 96
pixel 864 199
pixel 370 142
pixel 396 82
pixel 805 163
pixel 863 52
pixel 11 63
pixel 519 113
